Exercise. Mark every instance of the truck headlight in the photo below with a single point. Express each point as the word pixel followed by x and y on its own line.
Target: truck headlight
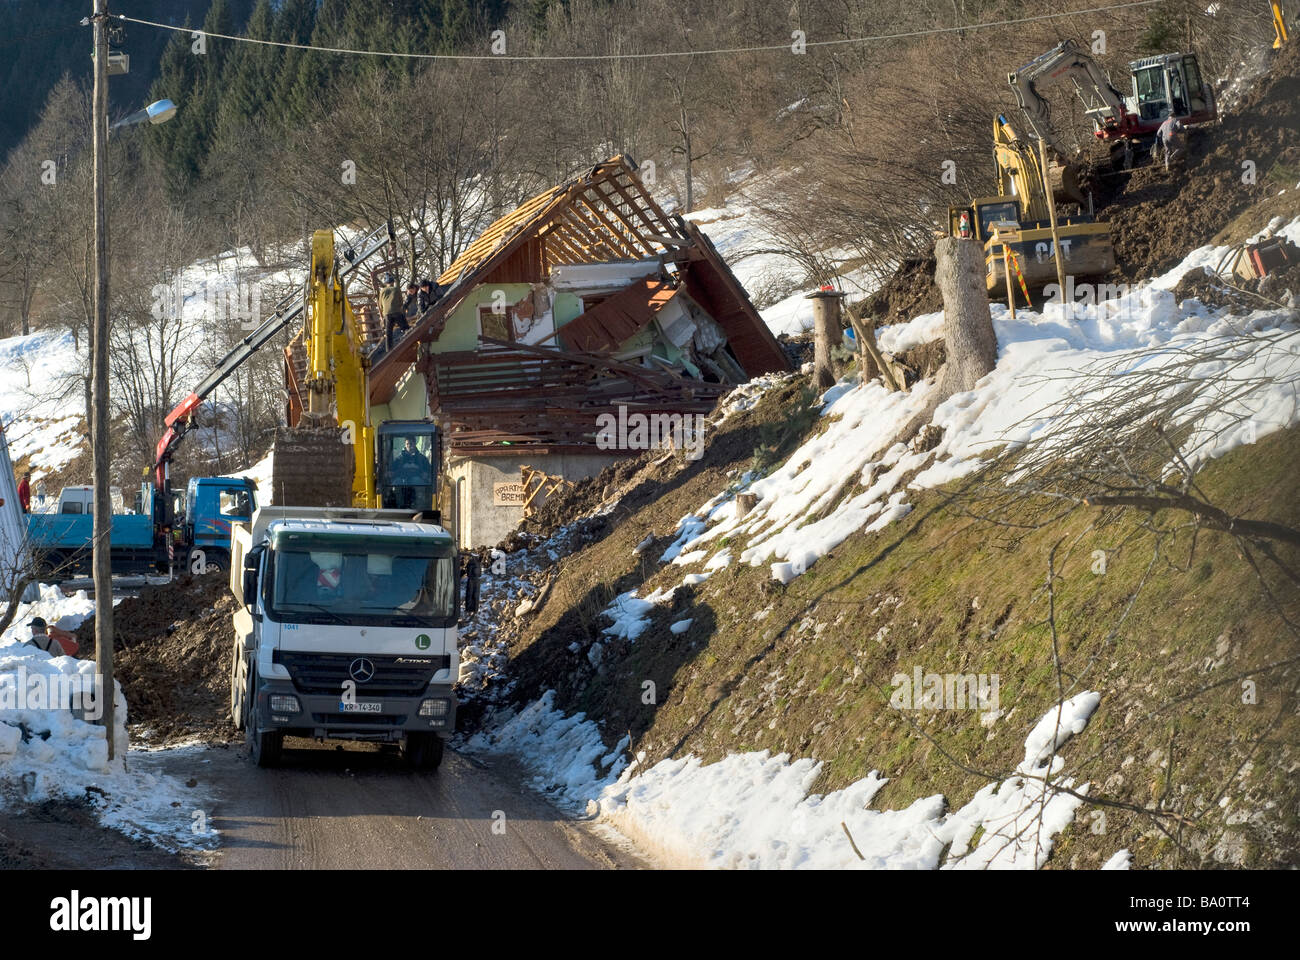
pixel 284 703
pixel 433 708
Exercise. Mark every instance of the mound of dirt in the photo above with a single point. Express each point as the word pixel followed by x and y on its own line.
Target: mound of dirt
pixel 909 292
pixel 582 498
pixel 1212 292
pixel 171 653
pixel 1157 216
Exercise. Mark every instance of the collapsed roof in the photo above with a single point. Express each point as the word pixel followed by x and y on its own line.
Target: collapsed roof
pixel 671 330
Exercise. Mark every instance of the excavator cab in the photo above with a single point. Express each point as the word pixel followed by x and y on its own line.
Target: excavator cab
pixel 406 468
pixel 983 217
pixel 1171 84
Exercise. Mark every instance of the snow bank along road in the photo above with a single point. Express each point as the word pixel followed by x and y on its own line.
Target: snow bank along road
pixel 357 808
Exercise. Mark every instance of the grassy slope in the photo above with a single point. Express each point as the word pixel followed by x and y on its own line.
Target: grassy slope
pixel 807 669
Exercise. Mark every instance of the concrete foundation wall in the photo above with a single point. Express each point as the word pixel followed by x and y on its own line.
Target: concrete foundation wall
pixel 483 521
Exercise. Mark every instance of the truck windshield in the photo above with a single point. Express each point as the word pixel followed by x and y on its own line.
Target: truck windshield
pixel 366 584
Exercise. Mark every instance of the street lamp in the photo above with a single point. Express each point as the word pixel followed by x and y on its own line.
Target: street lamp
pixel 101 561
pixel 160 111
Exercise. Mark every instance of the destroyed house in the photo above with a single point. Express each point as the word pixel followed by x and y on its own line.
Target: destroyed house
pixel 586 300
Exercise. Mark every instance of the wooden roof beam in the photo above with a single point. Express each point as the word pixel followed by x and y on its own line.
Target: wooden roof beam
pixel 630 231
pixel 583 228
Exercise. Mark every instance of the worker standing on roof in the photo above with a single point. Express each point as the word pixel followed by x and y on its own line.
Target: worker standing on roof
pixel 393 308
pixel 1169 137
pixel 412 304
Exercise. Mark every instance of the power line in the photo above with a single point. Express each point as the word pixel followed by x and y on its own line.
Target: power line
pixel 720 51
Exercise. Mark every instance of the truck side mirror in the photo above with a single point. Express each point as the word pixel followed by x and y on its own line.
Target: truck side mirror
pixel 251 564
pixel 471 584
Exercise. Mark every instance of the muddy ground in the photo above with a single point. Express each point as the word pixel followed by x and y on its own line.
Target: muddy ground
pixel 171 655
pixel 67 835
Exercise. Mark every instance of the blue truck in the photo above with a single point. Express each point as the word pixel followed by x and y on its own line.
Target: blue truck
pixel 150 540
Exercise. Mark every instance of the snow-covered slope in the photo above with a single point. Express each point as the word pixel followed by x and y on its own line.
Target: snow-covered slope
pixel 754 809
pixel 1042 356
pixel 41 399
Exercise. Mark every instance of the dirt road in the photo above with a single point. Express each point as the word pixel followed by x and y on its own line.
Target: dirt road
pixel 330 808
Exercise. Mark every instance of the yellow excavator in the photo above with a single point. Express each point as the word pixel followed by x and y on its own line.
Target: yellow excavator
pixel 331 454
pixel 1019 218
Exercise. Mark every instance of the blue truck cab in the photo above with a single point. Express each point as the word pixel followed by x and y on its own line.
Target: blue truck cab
pixel 60 542
pixel 211 505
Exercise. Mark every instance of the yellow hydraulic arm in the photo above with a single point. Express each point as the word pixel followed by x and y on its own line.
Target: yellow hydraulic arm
pixel 1019 171
pixel 337 368
pixel 1279 25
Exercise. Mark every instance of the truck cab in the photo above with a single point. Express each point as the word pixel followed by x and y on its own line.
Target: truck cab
pixel 346 629
pixel 212 504
pixel 1170 84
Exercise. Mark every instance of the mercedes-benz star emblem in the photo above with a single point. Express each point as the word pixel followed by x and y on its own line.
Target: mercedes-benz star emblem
pixel 361 670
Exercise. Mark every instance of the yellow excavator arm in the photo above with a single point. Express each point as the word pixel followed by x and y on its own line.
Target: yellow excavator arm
pixel 1020 174
pixel 337 367
pixel 1279 25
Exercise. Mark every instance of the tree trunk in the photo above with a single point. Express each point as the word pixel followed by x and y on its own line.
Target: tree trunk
pixel 826 333
pixel 967 324
pixel 971 345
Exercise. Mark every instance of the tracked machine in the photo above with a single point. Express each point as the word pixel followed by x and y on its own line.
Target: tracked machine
pixel 1169 84
pixel 1018 217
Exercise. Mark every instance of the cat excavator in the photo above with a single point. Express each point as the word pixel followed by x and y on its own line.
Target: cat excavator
pixel 1019 218
pixel 330 454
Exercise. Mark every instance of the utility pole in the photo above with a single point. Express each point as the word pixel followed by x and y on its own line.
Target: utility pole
pixel 103 522
pixel 1051 213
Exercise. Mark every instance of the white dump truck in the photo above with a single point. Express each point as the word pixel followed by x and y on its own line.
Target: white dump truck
pixel 346 629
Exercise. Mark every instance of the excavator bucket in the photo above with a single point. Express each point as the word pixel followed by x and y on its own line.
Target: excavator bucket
pixel 1064 178
pixel 312 466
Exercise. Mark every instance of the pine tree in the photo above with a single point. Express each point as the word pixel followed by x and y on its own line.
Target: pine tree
pixel 316 71
pixel 247 77
pixel 295 22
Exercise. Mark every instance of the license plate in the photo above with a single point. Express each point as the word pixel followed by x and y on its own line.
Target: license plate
pixel 372 706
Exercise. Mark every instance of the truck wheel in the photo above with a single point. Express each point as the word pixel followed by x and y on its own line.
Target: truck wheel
pixel 265 746
pixel 214 564
pixel 423 751
pixel 236 691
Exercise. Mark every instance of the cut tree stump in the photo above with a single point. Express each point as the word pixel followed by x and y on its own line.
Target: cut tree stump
pixel 969 341
pixel 826 333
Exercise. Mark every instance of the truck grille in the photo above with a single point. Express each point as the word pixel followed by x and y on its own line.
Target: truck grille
pixel 394 676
